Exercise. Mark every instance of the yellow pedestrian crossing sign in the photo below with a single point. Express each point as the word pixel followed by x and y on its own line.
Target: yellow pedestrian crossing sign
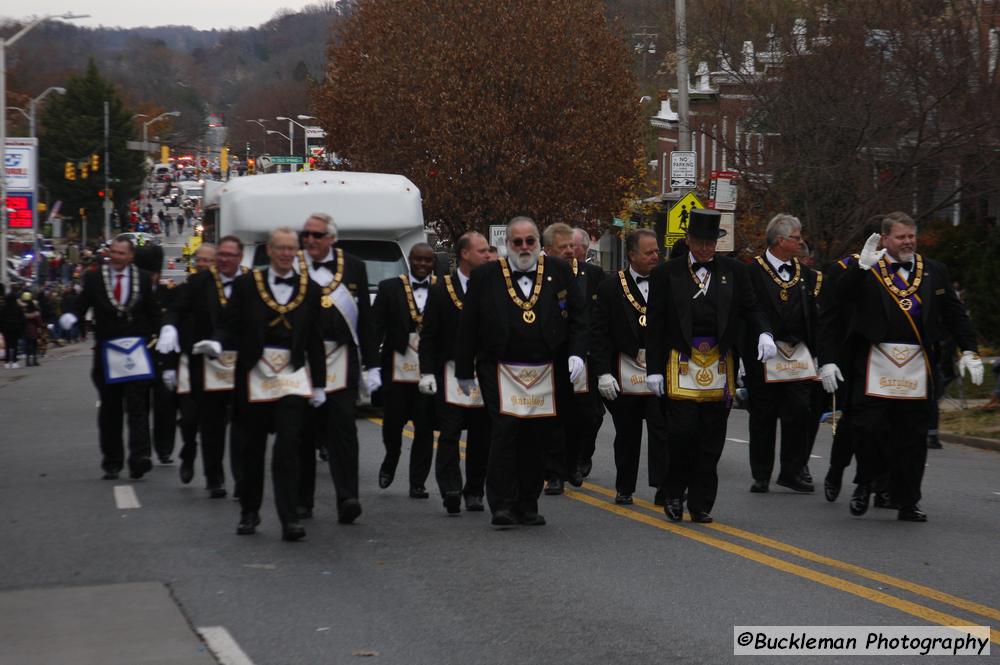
pixel 677 218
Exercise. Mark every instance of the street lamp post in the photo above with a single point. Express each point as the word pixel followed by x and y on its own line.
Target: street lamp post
pixel 4 43
pixel 275 131
pixel 291 132
pixel 145 127
pixel 33 104
pixel 305 140
pixel 261 121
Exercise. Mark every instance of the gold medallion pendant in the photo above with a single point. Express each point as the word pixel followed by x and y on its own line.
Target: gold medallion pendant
pixel 528 316
pixel 906 304
pixel 703 377
pixel 326 301
pixel 784 295
pixel 642 320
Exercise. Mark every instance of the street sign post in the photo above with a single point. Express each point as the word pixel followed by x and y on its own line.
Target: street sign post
pixel 286 159
pixel 722 190
pixel 678 216
pixel 683 169
pixel 498 238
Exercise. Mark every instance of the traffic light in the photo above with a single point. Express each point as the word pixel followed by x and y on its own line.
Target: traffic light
pixel 100 193
pixel 69 173
pixel 95 162
pixel 84 170
pixel 250 165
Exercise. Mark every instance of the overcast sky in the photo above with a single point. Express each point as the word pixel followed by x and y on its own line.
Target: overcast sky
pixel 202 14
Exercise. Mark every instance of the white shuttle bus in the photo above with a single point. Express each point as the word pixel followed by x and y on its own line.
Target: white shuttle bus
pixel 379 216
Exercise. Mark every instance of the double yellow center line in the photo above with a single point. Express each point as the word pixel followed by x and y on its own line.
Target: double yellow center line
pixel 644 511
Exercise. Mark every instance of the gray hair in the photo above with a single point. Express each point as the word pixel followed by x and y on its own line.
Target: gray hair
pixel 521 219
pixel 205 245
pixel 897 217
pixel 331 226
pixel 553 230
pixel 582 237
pixel 781 226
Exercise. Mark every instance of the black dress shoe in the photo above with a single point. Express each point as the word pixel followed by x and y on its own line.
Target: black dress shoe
pixel 474 503
pixel 912 514
pixel 860 500
pixel 303 512
pixel 701 517
pixel 217 492
pixel 531 519
pixel 503 519
pixel 831 485
pixel 419 492
pixel 292 531
pixel 585 467
pixel 348 511
pixel 660 497
pixel 933 442
pixel 795 484
pixel 884 500
pixel 623 499
pixel 248 524
pixel 674 509
pixel 187 472
pixel 453 503
pixel 554 486
pixel 385 476
pixel 576 478
pixel 166 459
pixel 760 487
pixel 805 475
pixel 140 468
pixel 110 475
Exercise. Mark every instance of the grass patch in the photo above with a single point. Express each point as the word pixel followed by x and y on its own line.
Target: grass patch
pixel 971 422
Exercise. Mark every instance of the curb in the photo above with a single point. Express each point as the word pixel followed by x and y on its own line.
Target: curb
pixel 973 441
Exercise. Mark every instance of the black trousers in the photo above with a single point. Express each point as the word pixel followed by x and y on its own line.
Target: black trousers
pixel 284 417
pixel 447 465
pixel 117 399
pixel 333 427
pixel 696 435
pixel 216 409
pixel 890 437
pixel 842 448
pixel 791 403
pixel 581 420
pixel 403 402
pixel 516 468
pixel 628 413
pixel 164 418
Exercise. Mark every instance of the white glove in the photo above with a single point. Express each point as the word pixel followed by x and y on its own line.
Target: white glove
pixel 870 254
pixel 608 387
pixel 830 374
pixel 67 321
pixel 655 384
pixel 466 386
pixel 170 379
pixel 373 379
pixel 741 375
pixel 575 368
pixel 167 342
pixel 318 398
pixel 973 364
pixel 428 384
pixel 765 347
pixel 208 347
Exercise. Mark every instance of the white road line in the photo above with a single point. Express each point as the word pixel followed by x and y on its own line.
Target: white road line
pixel 222 644
pixel 125 497
pixel 816 456
pixel 729 438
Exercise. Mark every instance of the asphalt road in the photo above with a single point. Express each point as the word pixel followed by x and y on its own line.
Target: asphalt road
pixel 408 584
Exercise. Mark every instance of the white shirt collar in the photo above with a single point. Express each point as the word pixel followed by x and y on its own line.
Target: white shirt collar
pixel 463 280
pixel 273 274
pixel 414 280
pixel 775 261
pixel 635 274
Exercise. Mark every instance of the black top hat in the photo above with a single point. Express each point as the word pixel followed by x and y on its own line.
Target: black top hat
pixel 149 257
pixel 704 224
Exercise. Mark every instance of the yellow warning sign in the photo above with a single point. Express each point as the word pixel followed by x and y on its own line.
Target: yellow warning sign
pixel 677 218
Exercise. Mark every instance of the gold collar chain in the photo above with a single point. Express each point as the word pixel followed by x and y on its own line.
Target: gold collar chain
pixel 265 295
pixel 451 292
pixel 411 302
pixel 702 286
pixel 528 315
pixel 219 285
pixel 916 276
pixel 783 283
pixel 133 286
pixel 635 303
pixel 576 268
pixel 327 300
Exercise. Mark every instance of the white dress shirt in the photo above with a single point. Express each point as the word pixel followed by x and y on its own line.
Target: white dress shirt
pixel 227 284
pixel 125 283
pixel 321 275
pixel 643 286
pixel 282 292
pixel 525 283
pixel 704 275
pixel 463 280
pixel 776 264
pixel 420 295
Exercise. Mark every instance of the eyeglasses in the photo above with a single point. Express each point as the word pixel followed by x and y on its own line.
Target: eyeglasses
pixel 313 234
pixel 524 242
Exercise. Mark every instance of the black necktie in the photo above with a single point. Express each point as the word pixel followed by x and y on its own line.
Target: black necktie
pixel 785 269
pixel 640 279
pixel 290 281
pixel 908 265
pixel 696 266
pixel 419 285
pixel 329 265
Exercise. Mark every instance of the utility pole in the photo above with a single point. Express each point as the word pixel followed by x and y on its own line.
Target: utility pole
pixel 683 131
pixel 107 176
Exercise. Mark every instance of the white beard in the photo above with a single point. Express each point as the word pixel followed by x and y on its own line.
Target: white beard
pixel 524 260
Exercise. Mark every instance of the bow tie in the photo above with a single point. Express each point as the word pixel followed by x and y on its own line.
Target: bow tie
pixel 227 282
pixel 894 267
pixel 785 268
pixel 640 279
pixel 696 266
pixel 518 274
pixel 290 281
pixel 418 285
pixel 329 265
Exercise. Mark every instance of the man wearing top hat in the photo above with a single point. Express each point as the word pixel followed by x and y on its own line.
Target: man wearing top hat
pixel 698 305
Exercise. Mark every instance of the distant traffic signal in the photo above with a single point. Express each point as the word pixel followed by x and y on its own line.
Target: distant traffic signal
pixel 95 162
pixel 250 165
pixel 84 170
pixel 69 172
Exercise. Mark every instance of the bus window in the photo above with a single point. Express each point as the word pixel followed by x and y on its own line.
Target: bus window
pixel 383 259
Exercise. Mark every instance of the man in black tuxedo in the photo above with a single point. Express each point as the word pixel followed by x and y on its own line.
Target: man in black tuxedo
pixel 782 389
pixel 523 316
pixel 272 320
pixel 437 377
pixel 698 305
pixel 125 306
pixel 352 355
pixel 397 314
pixel 900 306
pixel 591 275
pixel 196 315
pixel 618 354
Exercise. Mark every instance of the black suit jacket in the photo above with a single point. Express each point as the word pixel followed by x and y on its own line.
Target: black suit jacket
pixel 246 318
pixel 869 305
pixel 832 327
pixel 142 320
pixel 590 278
pixel 614 324
pixel 485 329
pixel 670 312
pixel 767 292
pixel 391 321
pixel 439 334
pixel 196 311
pixel 355 279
